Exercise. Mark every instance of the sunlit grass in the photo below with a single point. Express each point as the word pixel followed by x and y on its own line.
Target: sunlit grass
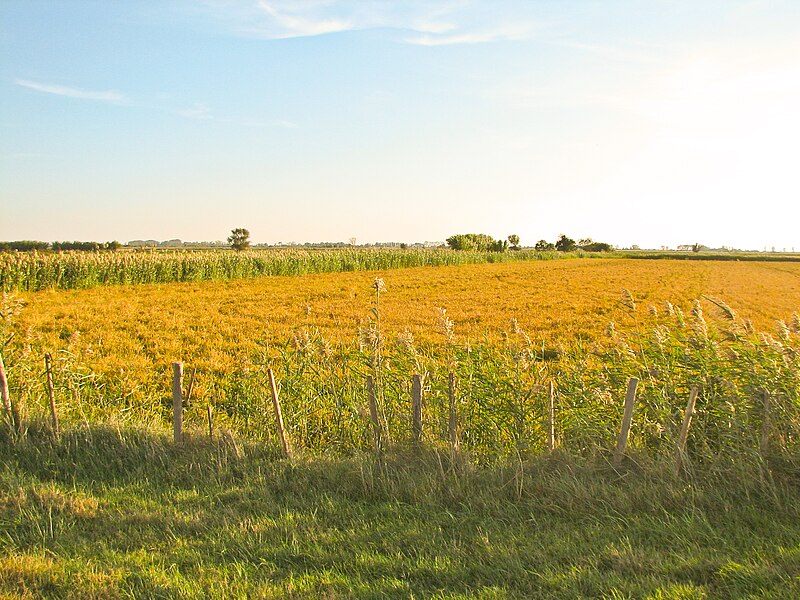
pixel 132 516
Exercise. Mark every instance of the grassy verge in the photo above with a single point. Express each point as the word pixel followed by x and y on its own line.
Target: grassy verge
pixel 110 513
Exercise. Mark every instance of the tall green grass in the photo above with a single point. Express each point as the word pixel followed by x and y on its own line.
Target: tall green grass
pixel 35 271
pixel 124 513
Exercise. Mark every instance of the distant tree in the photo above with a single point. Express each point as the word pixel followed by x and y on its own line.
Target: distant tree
pixel 352 241
pixel 544 246
pixel 476 241
pixel 590 245
pixel 498 246
pixel 513 239
pixel 239 239
pixel 565 244
pixel 23 246
pixel 84 246
pixel 698 246
pixel 598 247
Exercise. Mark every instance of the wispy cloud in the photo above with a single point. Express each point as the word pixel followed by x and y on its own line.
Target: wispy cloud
pixel 471 37
pixel 420 22
pixel 307 23
pixel 71 92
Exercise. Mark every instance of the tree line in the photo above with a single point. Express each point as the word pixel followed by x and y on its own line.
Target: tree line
pixel 485 243
pixel 31 245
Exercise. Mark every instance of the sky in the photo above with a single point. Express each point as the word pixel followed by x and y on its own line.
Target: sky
pixel 646 122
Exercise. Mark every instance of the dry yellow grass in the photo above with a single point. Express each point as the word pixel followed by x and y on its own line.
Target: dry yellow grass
pixel 123 330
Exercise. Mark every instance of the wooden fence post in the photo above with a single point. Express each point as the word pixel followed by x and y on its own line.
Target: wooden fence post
pixel 452 424
pixel 276 404
pixel 551 421
pixel 48 366
pixel 683 436
pixel 177 402
pixel 373 413
pixel 416 407
pixel 210 422
pixel 627 418
pixel 10 409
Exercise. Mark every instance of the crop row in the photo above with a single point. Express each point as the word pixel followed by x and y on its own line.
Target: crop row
pixel 79 270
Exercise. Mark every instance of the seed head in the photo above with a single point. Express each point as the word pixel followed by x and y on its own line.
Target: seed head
pixel 697 310
pixel 628 300
pixel 783 331
pixel 661 334
pixel 727 311
pixel 379 285
pixel 406 341
pixel 445 324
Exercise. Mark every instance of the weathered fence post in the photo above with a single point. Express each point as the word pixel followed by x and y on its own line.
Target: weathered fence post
pixel 177 402
pixel 373 413
pixel 210 422
pixel 10 409
pixel 627 418
pixel 452 424
pixel 766 425
pixel 276 404
pixel 416 407
pixel 551 421
pixel 683 436
pixel 48 366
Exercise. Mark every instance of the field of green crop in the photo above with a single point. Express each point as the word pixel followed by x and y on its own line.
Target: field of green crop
pixel 33 271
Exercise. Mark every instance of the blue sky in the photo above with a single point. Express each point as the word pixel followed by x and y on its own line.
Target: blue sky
pixel 633 122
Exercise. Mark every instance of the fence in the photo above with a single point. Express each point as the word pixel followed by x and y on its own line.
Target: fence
pixel 417 432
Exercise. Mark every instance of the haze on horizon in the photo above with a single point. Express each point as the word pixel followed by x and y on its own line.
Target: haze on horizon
pixel 650 123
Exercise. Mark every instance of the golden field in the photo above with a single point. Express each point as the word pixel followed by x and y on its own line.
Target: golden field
pixel 216 324
pixel 549 299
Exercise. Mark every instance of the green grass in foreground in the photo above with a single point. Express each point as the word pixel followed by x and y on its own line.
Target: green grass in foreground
pixel 112 513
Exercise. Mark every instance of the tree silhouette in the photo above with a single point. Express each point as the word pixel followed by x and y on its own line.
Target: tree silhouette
pixel 239 238
pixel 565 244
